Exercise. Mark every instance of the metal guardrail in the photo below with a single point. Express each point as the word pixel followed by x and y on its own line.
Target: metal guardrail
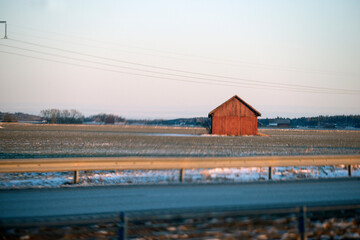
pixel 122 222
pixel 143 163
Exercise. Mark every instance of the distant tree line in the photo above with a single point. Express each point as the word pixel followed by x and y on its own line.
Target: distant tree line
pixel 8 117
pixel 18 117
pixel 105 118
pixel 192 122
pixel 62 116
pixel 340 120
pixel 320 121
pixel 75 117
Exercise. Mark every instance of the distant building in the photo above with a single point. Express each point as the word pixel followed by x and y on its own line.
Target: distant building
pixel 327 125
pixel 279 123
pixel 234 117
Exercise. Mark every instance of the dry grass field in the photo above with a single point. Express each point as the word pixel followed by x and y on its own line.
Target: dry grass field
pixel 37 141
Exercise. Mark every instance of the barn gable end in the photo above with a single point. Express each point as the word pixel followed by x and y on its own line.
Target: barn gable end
pixel 234 117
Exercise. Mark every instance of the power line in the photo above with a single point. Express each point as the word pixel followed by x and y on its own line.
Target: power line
pixel 101 47
pixel 112 65
pixel 203 58
pixel 103 69
pixel 188 72
pixel 151 76
pixel 149 71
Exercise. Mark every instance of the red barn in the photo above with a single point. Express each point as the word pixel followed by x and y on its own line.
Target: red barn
pixel 234 117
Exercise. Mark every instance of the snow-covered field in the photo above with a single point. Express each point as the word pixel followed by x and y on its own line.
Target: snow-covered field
pixel 125 177
pixel 51 141
pixel 48 141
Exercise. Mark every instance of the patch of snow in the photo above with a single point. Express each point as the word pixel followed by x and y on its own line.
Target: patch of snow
pixel 216 175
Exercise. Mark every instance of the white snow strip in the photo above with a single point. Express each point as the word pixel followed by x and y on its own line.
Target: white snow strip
pixel 58 179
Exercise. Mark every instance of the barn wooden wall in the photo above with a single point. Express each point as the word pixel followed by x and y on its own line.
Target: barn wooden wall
pixel 234 118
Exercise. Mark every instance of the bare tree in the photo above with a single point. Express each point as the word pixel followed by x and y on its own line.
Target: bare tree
pixel 62 116
pixel 9 118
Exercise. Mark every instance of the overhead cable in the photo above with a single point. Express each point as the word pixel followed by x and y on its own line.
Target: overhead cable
pixel 183 71
pixel 151 76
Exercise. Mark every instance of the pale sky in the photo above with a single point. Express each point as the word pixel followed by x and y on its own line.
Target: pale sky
pixel 169 59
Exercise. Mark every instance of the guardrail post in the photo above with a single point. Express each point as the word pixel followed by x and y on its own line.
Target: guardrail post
pixel 302 223
pixel 122 226
pixel 182 175
pixel 270 173
pixel 350 170
pixel 76 177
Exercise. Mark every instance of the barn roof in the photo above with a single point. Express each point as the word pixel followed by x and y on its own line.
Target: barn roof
pixel 242 101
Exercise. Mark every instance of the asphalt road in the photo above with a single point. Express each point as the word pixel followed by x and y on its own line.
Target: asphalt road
pixel 90 200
